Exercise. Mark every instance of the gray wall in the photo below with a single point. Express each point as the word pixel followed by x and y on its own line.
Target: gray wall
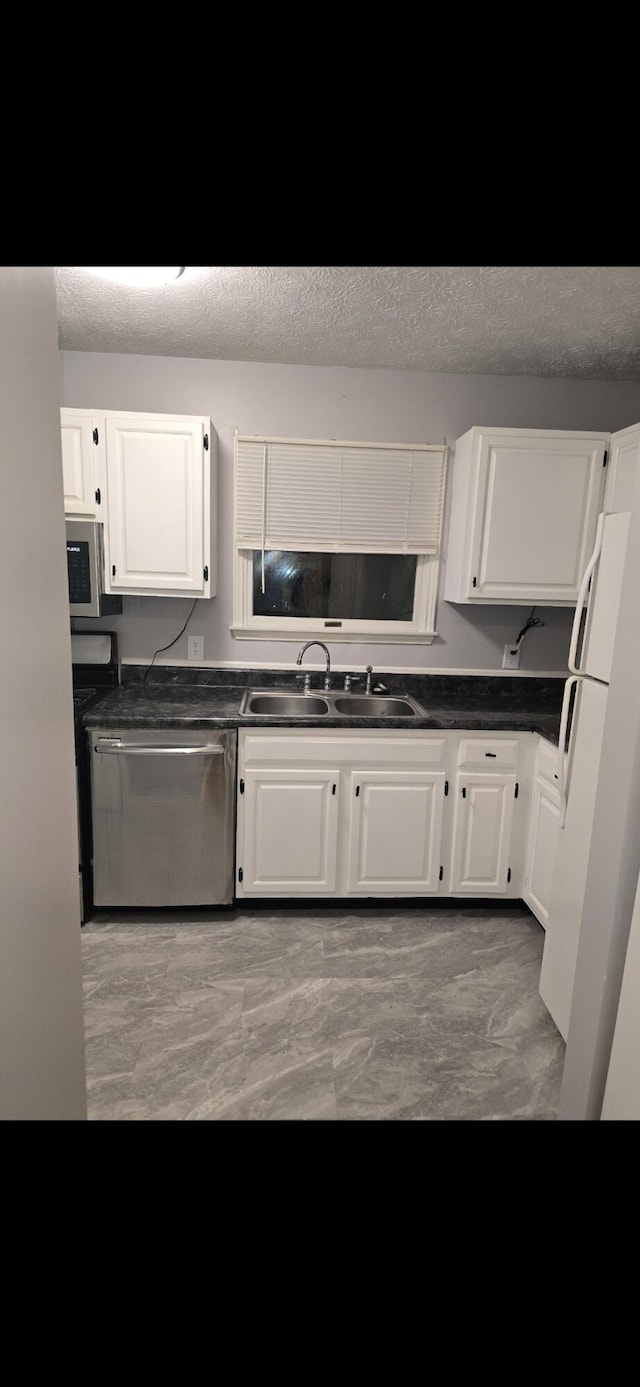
pixel 326 402
pixel 41 1033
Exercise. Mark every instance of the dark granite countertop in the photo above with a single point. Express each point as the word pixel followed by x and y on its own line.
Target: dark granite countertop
pixel 192 705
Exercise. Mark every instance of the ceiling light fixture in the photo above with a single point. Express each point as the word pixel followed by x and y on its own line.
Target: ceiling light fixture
pixel 143 277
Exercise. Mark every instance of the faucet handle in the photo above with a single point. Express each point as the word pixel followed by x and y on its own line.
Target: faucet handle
pixel 350 679
pixel 307 681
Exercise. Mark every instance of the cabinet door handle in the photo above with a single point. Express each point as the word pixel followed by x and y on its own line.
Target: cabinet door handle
pixel 357 791
pixel 464 793
pixel 333 789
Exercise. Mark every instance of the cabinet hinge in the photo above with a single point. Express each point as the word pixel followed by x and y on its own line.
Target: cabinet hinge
pixel 509 874
pixel 95 437
pixel 464 792
pixel 113 570
pixel 242 787
pixel 240 873
pixel 516 791
pixel 206 573
pixel 605 458
pixel 98 498
pixel 441 874
pixel 206 443
pixel 446 787
pixel 474 582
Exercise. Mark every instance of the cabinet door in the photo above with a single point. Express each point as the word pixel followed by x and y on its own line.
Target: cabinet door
pixel 622 469
pixel 287 840
pixel 395 831
pixel 543 841
pixel 158 498
pixel 78 465
pixel 537 501
pixel 483 817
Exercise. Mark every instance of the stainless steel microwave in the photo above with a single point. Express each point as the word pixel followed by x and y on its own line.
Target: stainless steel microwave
pixel 85 571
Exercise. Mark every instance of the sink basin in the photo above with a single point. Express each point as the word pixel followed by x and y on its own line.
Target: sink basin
pixel 275 703
pixel 283 705
pixel 375 706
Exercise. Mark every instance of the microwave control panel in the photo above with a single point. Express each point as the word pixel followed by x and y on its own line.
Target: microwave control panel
pixel 78 570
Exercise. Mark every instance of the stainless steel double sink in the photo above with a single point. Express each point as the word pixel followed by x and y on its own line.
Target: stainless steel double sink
pixel 272 703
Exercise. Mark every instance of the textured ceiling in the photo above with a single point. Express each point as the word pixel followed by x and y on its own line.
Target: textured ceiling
pixel 579 321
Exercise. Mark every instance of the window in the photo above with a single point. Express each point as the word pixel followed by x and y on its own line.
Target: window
pixel 339 537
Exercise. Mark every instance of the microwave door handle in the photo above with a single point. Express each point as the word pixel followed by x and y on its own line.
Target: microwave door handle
pixel 582 594
pixel 138 749
pixel 562 738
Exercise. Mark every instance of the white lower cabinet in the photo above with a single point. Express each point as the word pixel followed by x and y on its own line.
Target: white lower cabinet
pixel 482 824
pixel 290 831
pixel 376 813
pixel 395 832
pixel 543 841
pixel 544 833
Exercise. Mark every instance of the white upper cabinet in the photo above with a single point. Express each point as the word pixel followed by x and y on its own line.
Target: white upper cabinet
pixel 80 442
pixel 158 469
pixel 523 515
pixel 622 469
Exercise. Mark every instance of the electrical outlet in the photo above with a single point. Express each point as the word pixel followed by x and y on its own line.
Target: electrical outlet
pixel 511 657
pixel 195 647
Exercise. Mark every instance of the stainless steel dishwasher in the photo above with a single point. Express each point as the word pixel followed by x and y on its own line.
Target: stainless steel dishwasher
pixel 163 815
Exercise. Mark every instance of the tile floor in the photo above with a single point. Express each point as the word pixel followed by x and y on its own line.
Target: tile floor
pixel 314 1014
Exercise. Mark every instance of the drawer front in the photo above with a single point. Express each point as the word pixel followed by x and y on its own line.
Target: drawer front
pixel 488 753
pixel 337 748
pixel 547 764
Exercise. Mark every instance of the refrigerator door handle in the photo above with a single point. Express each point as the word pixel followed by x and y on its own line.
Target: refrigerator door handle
pixel 582 593
pixel 562 737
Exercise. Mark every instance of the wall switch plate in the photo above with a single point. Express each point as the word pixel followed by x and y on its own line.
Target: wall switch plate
pixel 195 647
pixel 511 657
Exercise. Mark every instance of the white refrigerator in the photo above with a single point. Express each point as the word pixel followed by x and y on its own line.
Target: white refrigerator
pixel 590 661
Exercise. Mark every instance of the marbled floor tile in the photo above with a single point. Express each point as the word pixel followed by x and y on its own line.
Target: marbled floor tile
pixel 202 1074
pixel 395 1082
pixel 280 1086
pixel 109 1099
pixel 143 1040
pixel 478 1052
pixel 263 950
pixel 113 1040
pixel 319 1011
pixel 231 948
pixel 293 1014
pixel 429 947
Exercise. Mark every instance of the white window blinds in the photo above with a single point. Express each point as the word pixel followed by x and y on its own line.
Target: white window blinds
pixel 339 497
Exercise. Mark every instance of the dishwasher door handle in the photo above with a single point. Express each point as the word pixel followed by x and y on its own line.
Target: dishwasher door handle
pixel 141 749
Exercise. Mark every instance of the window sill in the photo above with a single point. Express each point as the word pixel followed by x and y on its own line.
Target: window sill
pixel 275 633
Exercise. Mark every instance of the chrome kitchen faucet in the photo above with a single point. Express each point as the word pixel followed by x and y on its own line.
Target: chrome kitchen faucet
pixel 327 676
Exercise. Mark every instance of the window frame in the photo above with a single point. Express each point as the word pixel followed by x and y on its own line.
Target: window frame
pixel 421 630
